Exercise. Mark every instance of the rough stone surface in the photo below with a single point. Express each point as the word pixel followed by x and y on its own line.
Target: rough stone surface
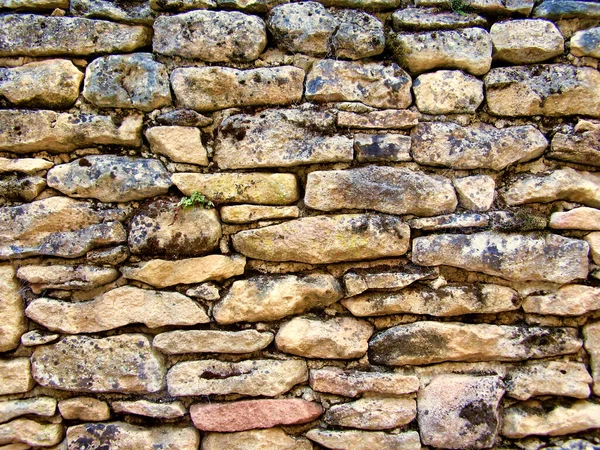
pixel 434 19
pixel 24 189
pixel 358 34
pixel 123 435
pixel 84 408
pixel 111 255
pixel 214 88
pixel 450 300
pixel 563 184
pixel 40 278
pixel 535 418
pixel 24 165
pixel 211 341
pixel 370 83
pixel 280 138
pixel 205 291
pixel 30 131
pixel 34 4
pixel 586 43
pixel 257 6
pixel 117 308
pixel 448 92
pixel 161 273
pixel 262 377
pixel 256 187
pixel 525 90
pixel 123 363
pixel 526 41
pixel 568 300
pixel 460 411
pixel 431 342
pixel 164 229
pixel 150 409
pixel 475 147
pixel 385 189
pixel 128 12
pixel 359 281
pixel 382 147
pixel 576 219
pixel 13 323
pixel 390 119
pixel 38 337
pixel 352 383
pixel 30 432
pixel 181 5
pixel 373 413
pixel 583 148
pixel 517 257
pixel 39 406
pixel 127 81
pixel 110 178
pixel 15 376
pixel 270 439
pixel 267 298
pixel 36 35
pixel 591 332
pixel 326 239
pixel 449 221
pixel 184 118
pixel 250 414
pixel 468 49
pixel 568 9
pixel 593 239
pixel 47 84
pixel 365 440
pixel 253 213
pixel 213 36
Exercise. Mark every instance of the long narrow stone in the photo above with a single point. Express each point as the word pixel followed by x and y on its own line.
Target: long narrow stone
pixel 13 323
pixel 271 439
pixel 57 276
pixel 351 383
pixel 591 333
pixel 568 300
pixel 30 432
pixel 147 408
pixel 583 148
pixel 211 341
pixel 39 406
pixel 365 440
pixel 373 413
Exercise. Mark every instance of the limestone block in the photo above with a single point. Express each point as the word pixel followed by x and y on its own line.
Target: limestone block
pixel 583 148
pixel 146 408
pixel 270 439
pixel 39 406
pixel 365 440
pixel 211 341
pixel 358 34
pixel 24 165
pixel 568 300
pixel 373 413
pixel 593 239
pixel 434 19
pixel 556 10
pixel 253 213
pixel 450 221
pixel 13 323
pixel 526 41
pixel 586 43
pixel 387 119
pixel 84 409
pixel 40 278
pixel 128 12
pixel 382 147
pixel 448 92
pixel 359 281
pixel 591 332
pixel 31 433
pixel 351 383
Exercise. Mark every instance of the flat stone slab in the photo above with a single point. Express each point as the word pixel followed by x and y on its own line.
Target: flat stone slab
pixel 525 91
pixel 569 9
pixel 516 257
pixel 450 221
pixel 40 278
pixel 260 298
pixel 421 19
pixel 358 281
pixel 448 92
pixel 526 41
pixel 215 88
pixel 123 363
pixel 386 189
pixel 13 323
pixel 68 35
pixel 24 131
pixel 35 4
pixel 253 213
pixel 351 383
pixel 24 165
pixel 250 414
pixel 365 440
pixel 432 342
pixel 481 146
pixel 39 406
pixel 117 308
pixel 583 148
pixel 31 433
pixel 178 143
pixel 373 413
pixel 15 376
pixel 271 438
pixel 87 409
pixel 583 218
pixel 134 12
pixel 382 147
pixel 185 5
pixel 326 239
pixel 568 300
pixel 146 408
pixel 387 119
pixel 211 341
pixel 449 300
pixel 262 377
pixel 213 36
pixel 280 138
pixel 370 83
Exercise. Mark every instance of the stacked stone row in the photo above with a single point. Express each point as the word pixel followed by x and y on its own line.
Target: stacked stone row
pixel 393 242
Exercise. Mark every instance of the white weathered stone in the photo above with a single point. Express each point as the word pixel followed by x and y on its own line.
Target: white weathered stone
pixel 24 165
pixel 146 408
pixel 31 433
pixel 373 413
pixel 476 192
pixel 358 34
pixel 39 406
pixel 40 278
pixel 128 12
pixel 591 333
pixel 450 221
pixel 351 383
pixel 526 41
pixel 434 19
pixel 382 147
pixel 365 440
pixel 388 119
pixel 568 300
pixel 253 213
pixel 576 219
pixel 593 239
pixel 586 43
pixel 448 92
pixel 211 341
pixel 270 439
pixel 84 408
pixel 13 323
pixel 15 376
pixel 357 282
pixel 567 9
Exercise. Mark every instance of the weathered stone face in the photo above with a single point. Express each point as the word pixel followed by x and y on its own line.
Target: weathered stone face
pixel 184 118
pixel 15 376
pixel 40 278
pixel 385 189
pixel 352 383
pixel 326 239
pixel 591 332
pixel 526 41
pixel 586 43
pixel 213 36
pixel 270 439
pixel 250 377
pixel 448 92
pixel 146 408
pixel 493 7
pixel 181 5
pixel 211 341
pixel 123 363
pixel 583 218
pixel 449 221
pixel 21 189
pixel 579 148
pixel 24 165
pixel 517 257
pixel 593 239
pixel 434 19
pixel 475 147
pixel 568 300
pixel 365 440
pixel 373 413
pixel 13 323
pixel 180 144
pixel 389 119
pixel 39 406
pixel 35 4
pixel 84 408
pixel 128 12
pixel 359 281
pixel 358 34
pixel 30 432
pixel 382 147
pixel 556 10
pixel 253 213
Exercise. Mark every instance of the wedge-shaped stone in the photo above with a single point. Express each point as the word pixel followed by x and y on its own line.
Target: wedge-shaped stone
pixel 359 281
pixel 37 35
pixel 122 363
pixel 84 409
pixel 365 440
pixel 184 118
pixel 431 342
pixel 211 341
pixel 450 300
pixel 15 376
pixel 39 406
pixel 128 12
pixel 31 432
pixel 385 189
pixel 110 178
pixel 569 300
pixel 24 165
pixel 591 332
pixel 280 138
pixel 460 411
pixel 32 131
pixel 214 36
pixel 17 189
pixel 352 383
pixel 563 184
pixel 164 229
pixel 117 308
pixel 581 148
pixel 262 377
pixel 526 41
pixel 253 213
pixel 387 119
pixel 146 408
pixel 266 298
pixel 178 143
pixel 586 43
pixel 373 413
pixel 271 439
pixel 449 221
pixel 127 81
pixel 326 239
pixel 161 273
pixel 336 338
pixel 38 337
pixel 45 84
pixel 476 192
pixel 475 147
pixel 123 435
pixel 526 91
pixel 434 19
pixel 469 49
pixel 214 88
pixel 583 218
pixel 382 147
pixel 567 9
pixel 250 414
pixel 373 84
pixel 13 323
pixel 40 278
pixel 570 379
pixel 448 92
pixel 542 419
pixel 517 257
pixel 256 187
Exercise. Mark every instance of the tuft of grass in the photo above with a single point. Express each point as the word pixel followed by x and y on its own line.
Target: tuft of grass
pixel 459 6
pixel 196 199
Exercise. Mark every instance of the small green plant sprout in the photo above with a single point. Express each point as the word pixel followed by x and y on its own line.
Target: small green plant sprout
pixel 459 6
pixel 196 199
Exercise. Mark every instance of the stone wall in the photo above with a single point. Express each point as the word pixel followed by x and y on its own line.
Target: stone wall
pixel 254 224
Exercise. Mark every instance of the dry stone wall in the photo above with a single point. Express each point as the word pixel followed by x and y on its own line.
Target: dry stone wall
pixel 275 225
